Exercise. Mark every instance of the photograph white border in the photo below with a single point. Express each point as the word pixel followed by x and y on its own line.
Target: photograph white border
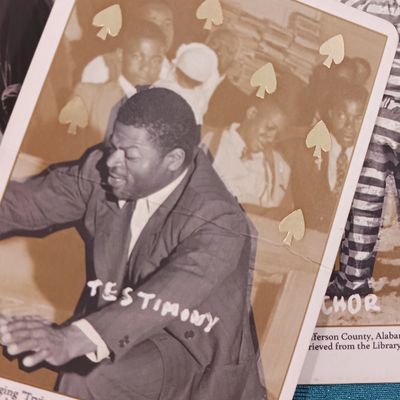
pixel 339 366
pixel 32 87
pixel 37 74
pixel 381 26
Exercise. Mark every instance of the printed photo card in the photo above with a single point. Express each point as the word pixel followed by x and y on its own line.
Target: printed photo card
pixel 176 177
pixel 358 322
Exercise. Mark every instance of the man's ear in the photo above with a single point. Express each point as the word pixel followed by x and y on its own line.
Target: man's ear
pixel 251 112
pixel 175 159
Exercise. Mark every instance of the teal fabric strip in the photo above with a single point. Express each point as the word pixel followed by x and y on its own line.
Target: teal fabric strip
pixel 348 392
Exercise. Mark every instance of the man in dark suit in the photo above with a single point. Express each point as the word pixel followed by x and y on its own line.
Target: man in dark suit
pixel 165 313
pixel 317 183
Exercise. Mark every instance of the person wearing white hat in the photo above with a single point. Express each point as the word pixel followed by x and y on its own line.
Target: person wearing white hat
pixel 195 66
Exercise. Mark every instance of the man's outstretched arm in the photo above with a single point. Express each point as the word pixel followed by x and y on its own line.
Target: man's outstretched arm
pixel 196 269
pixel 57 196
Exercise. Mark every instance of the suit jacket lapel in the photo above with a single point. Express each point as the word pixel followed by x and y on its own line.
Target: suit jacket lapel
pixel 151 232
pixel 112 241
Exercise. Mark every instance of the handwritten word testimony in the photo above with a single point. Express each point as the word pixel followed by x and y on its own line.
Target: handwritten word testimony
pixel 150 301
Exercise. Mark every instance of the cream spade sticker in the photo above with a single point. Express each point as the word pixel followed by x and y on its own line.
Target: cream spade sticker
pixel 110 21
pixel 75 114
pixel 265 79
pixel 319 138
pixel 211 11
pixel 334 49
pixel 294 227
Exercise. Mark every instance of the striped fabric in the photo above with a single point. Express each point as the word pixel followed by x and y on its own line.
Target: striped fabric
pixel 358 250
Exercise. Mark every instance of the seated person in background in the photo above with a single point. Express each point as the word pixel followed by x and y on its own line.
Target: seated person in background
pixel 21 25
pixel 222 113
pixel 322 82
pixel 143 52
pixel 194 66
pixel 317 184
pixel 363 70
pixel 247 162
pixel 108 66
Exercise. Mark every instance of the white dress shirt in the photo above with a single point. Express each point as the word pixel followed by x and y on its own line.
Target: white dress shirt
pixel 144 210
pixel 250 180
pixel 127 87
pixel 96 71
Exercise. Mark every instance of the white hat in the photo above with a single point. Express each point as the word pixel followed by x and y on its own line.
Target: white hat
pixel 197 61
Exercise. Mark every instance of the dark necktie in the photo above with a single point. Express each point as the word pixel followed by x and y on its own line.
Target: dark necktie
pixel 341 168
pixel 269 180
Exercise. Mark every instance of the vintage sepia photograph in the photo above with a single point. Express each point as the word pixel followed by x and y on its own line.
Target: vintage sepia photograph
pixel 359 319
pixel 176 195
pixel 369 253
pixel 377 302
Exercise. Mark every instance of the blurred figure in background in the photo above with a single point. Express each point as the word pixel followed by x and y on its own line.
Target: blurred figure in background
pixel 363 70
pixel 355 70
pixel 222 113
pixel 193 68
pixel 317 183
pixel 21 25
pixel 322 82
pixel 142 56
pixel 249 165
pixel 107 67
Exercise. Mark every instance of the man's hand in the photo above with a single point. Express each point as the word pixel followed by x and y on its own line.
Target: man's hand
pixel 48 342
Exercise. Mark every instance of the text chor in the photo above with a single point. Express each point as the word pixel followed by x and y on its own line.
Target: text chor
pixel 150 302
pixel 354 304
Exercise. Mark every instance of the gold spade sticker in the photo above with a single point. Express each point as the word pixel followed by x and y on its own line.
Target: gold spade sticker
pixel 294 226
pixel 211 11
pixel 320 138
pixel 265 78
pixel 75 114
pixel 334 49
pixel 110 21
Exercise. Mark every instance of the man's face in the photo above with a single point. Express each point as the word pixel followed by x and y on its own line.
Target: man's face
pixel 346 120
pixel 142 61
pixel 263 129
pixel 161 16
pixel 136 167
pixel 225 47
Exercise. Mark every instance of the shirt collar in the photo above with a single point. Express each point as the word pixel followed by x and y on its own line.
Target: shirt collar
pixel 337 148
pixel 154 200
pixel 237 140
pixel 126 86
pixel 239 144
pixel 220 78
